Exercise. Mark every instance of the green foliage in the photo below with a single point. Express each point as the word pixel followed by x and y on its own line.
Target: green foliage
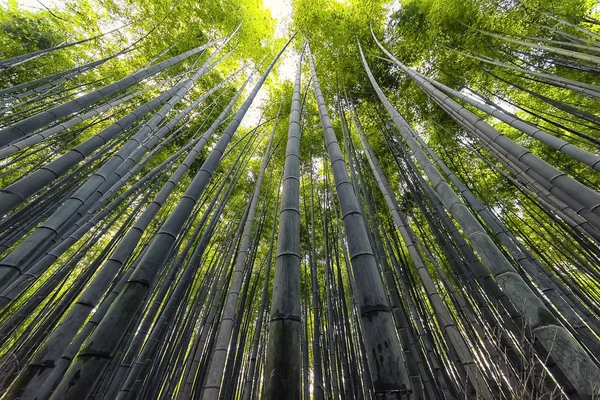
pixel 424 34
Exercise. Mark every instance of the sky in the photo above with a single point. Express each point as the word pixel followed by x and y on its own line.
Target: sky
pixel 34 5
pixel 281 10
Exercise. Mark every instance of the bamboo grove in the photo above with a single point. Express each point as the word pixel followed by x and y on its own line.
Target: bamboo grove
pixel 415 214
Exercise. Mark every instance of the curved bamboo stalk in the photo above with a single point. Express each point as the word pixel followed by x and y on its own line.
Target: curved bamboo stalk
pixel 44 118
pixel 14 61
pixel 14 194
pixel 84 370
pixel 576 86
pixel 250 381
pixel 552 49
pixel 93 188
pixel 588 197
pixel 580 217
pixel 476 378
pixel 575 364
pixel 577 153
pixel 212 385
pixel 382 344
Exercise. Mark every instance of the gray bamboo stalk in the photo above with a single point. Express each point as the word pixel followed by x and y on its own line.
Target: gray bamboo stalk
pixel 16 193
pixel 212 385
pixel 22 189
pixel 37 369
pixel 55 80
pixel 19 285
pixel 581 155
pixel 517 324
pixel 128 389
pixel 397 311
pixel 315 299
pixel 14 61
pixel 572 360
pixel 57 341
pixel 153 138
pixel 46 117
pixel 330 342
pixel 552 49
pixel 546 285
pixel 44 92
pixel 459 264
pixel 99 182
pixel 576 86
pixel 547 203
pixel 554 103
pixel 359 185
pixel 189 381
pixel 337 237
pixel 537 192
pixel 135 169
pixel 250 382
pixel 158 56
pixel 131 386
pixel 70 73
pixel 282 373
pixel 382 344
pixel 237 342
pixel 197 349
pixel 588 197
pixel 45 134
pixel 573 38
pixel 84 370
pixel 327 246
pixel 305 361
pixel 579 217
pixel 581 137
pixel 201 357
pixel 52 87
pixel 594 49
pixel 62 363
pixel 574 26
pixel 446 321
